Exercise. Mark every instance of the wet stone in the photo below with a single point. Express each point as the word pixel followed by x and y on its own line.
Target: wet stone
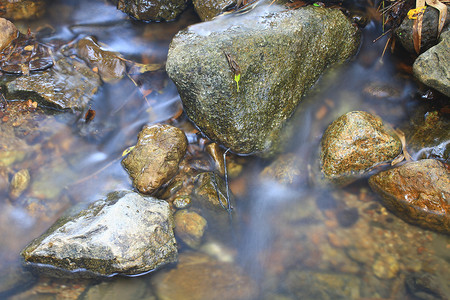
pixel 386 267
pixel 381 90
pixel 125 233
pixel 198 277
pixel 427 286
pixel 190 227
pixel 119 289
pixel 208 9
pixel 19 183
pixel 280 55
pixel 287 169
pixel 152 10
pixel 70 84
pixel 354 143
pixel 429 136
pixel 417 192
pixel 321 285
pixel 8 32
pixel 22 9
pixel 110 67
pixel 432 67
pixel 156 157
pixel 404 33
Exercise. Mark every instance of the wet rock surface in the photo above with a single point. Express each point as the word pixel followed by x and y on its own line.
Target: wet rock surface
pixel 70 84
pixel 355 142
pixel 287 169
pixel 199 277
pixel 152 10
pixel 433 66
pixel 110 67
pixel 22 9
pixel 8 32
pixel 417 192
pixel 429 136
pixel 155 158
pixel 404 33
pixel 190 227
pixel 321 285
pixel 210 196
pixel 208 9
pixel 278 63
pixel 124 233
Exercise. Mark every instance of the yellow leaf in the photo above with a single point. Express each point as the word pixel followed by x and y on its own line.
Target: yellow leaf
pixel 413 13
pixel 128 150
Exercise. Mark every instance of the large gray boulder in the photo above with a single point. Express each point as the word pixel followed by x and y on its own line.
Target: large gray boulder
pixel 125 233
pixel 433 66
pixel 280 53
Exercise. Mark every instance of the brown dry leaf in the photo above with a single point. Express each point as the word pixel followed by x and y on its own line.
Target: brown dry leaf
pixel 442 12
pixel 138 68
pixel 417 27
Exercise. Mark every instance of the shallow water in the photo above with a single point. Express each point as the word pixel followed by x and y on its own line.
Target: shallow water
pixel 295 241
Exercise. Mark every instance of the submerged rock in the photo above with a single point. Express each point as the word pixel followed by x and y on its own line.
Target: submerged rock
pixel 429 137
pixel 190 227
pixel 287 169
pixel 8 32
pixel 152 10
pixel 322 285
pixel 208 9
pixel 70 84
pixel 354 143
pixel 22 9
pixel 110 67
pixel 210 196
pixel 280 54
pixel 124 233
pixel 155 158
pixel 417 192
pixel 433 66
pixel 198 277
pixel 19 183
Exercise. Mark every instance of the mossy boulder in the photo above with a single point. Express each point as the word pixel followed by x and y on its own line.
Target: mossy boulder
pixel 280 53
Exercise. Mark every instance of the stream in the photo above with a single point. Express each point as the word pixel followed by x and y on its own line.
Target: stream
pixel 292 241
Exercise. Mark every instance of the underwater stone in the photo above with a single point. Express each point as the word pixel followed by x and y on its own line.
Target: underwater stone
pixel 417 192
pixel 208 9
pixel 69 84
pixel 125 233
pixel 354 143
pixel 281 54
pixel 156 157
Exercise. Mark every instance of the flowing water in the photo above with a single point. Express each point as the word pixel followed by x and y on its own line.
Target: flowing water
pixel 296 241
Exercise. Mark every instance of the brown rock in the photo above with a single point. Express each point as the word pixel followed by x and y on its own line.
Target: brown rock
pixel 110 67
pixel 190 227
pixel 8 32
pixel 354 143
pixel 417 192
pixel 156 156
pixel 208 9
pixel 198 277
pixel 22 9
